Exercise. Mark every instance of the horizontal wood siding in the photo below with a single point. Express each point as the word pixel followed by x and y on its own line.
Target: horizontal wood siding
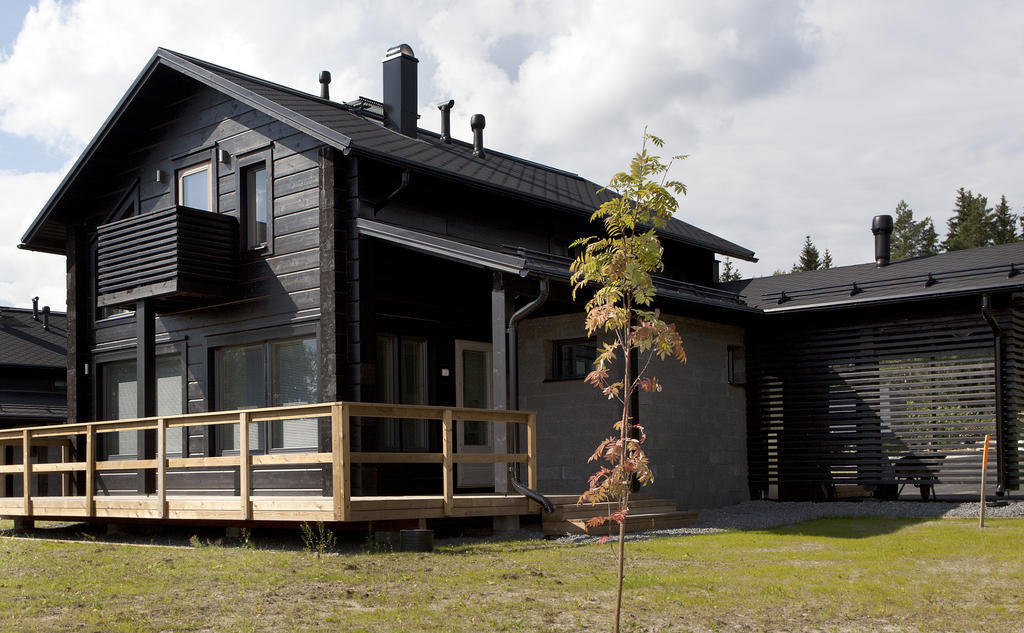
pixel 874 402
pixel 178 254
pixel 275 288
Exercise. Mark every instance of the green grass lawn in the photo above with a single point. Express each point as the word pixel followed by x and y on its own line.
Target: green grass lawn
pixel 841 575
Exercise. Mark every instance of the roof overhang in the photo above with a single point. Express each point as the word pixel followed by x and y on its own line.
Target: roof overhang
pixel 524 263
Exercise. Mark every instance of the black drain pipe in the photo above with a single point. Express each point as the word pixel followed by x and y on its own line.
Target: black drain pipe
pixel 997 349
pixel 513 351
pixel 513 357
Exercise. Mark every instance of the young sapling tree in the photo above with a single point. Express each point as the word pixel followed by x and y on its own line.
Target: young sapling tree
pixel 617 267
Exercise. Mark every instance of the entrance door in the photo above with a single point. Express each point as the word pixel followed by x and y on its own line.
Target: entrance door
pixel 473 390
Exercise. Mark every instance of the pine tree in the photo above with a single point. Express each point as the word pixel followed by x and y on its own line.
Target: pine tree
pixel 810 259
pixel 729 272
pixel 972 225
pixel 826 260
pixel 911 238
pixel 1004 224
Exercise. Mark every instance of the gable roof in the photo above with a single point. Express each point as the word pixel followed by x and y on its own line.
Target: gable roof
pixel 349 129
pixel 947 274
pixel 24 342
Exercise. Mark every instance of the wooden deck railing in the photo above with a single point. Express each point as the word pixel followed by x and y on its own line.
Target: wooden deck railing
pixel 340 457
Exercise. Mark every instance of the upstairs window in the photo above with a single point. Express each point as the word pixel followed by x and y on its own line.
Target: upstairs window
pixel 256 205
pixel 194 187
pixel 254 186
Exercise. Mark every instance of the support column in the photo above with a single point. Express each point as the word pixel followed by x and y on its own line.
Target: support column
pixel 145 384
pixel 499 375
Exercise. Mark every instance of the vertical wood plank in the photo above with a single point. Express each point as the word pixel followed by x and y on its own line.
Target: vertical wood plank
pixel 337 462
pixel 90 469
pixel 26 471
pixel 531 450
pixel 161 466
pixel 243 465
pixel 448 447
pixel 346 461
pixel 65 478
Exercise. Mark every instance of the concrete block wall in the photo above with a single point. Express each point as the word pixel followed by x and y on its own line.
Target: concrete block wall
pixel 696 425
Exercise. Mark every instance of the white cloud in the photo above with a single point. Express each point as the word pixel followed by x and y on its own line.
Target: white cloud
pixel 24 274
pixel 800 118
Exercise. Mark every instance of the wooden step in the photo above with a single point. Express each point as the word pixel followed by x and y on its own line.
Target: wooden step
pixel 637 506
pixel 634 523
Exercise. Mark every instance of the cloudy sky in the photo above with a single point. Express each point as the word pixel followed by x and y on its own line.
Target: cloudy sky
pixel 800 118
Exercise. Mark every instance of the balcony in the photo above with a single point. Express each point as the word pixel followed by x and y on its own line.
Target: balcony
pixel 179 257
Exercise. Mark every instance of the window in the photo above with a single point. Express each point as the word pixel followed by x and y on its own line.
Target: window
pixel 268 374
pixel 573 359
pixel 254 186
pixel 120 402
pixel 194 187
pixel 255 209
pixel 402 378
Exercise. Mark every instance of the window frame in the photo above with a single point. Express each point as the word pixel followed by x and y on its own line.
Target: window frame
pixel 243 164
pixel 266 343
pixel 557 348
pixel 101 359
pixel 188 162
pixel 405 429
pixel 195 168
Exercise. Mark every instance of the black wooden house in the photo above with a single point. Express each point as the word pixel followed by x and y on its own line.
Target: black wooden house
pixel 876 376
pixel 233 243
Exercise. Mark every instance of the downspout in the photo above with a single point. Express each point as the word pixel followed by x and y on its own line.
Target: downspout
pixel 997 350
pixel 513 352
pixel 513 360
pixel 394 194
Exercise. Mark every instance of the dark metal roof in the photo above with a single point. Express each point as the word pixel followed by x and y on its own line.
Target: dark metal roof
pixel 947 274
pixel 524 262
pixel 36 407
pixel 24 342
pixel 350 128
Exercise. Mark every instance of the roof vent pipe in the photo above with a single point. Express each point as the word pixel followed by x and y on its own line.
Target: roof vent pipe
pixel 35 308
pixel 325 84
pixel 46 318
pixel 881 227
pixel 446 120
pixel 477 123
pixel 400 89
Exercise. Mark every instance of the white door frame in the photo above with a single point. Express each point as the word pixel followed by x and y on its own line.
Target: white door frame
pixel 473 475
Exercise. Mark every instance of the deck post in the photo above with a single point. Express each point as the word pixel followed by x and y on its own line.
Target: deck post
pixel 65 478
pixel 447 446
pixel 531 454
pixel 161 466
pixel 26 470
pixel 90 469
pixel 243 465
pixel 341 486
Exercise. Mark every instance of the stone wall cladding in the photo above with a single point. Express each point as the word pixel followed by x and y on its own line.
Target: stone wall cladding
pixel 697 424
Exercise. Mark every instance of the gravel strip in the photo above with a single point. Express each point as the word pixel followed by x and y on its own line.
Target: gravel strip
pixel 763 515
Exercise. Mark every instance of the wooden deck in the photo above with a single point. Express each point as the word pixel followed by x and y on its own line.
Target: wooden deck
pixel 338 506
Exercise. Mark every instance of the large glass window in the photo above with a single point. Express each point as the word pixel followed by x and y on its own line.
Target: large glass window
pixel 270 374
pixel 120 402
pixel 194 189
pixel 402 378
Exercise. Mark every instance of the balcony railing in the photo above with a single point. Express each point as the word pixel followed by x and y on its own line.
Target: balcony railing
pixel 176 256
pixel 340 505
